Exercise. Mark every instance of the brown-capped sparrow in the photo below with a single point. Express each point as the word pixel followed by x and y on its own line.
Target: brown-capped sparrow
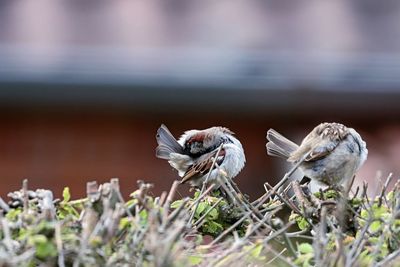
pixel 194 153
pixel 331 153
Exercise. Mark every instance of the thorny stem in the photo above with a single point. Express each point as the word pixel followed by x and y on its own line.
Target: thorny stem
pixel 115 182
pixel 384 187
pixel 282 181
pixel 4 206
pixel 231 228
pixel 25 194
pixel 280 256
pixel 168 201
pixel 173 215
pixel 164 236
pixel 170 196
pixel 260 201
pixel 234 195
pixel 7 235
pixel 360 241
pixel 389 258
pixel 57 230
pixel 275 257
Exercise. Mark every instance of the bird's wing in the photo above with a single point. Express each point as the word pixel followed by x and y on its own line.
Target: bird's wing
pixel 203 165
pixel 320 142
pixel 321 150
pixel 313 148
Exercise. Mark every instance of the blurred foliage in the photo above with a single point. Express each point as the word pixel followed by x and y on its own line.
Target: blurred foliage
pixel 205 230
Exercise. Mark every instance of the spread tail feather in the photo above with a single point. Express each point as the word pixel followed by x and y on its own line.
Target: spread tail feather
pixel 163 152
pixel 278 145
pixel 167 143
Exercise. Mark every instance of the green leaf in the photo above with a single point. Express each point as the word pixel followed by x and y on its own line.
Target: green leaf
pixel 216 193
pixel 195 260
pixel 396 225
pixel 365 259
pixel 212 227
pixel 13 214
pixel 134 193
pixel 196 194
pixel 44 247
pixel 200 208
pixel 331 194
pixel 256 251
pixel 379 211
pixel 356 201
pixel 317 194
pixel 304 260
pixel 124 223
pixel 375 226
pixel 131 202
pixel 46 250
pixel 143 215
pixel 36 239
pixel 176 204
pixel 305 248
pixel 364 214
pixel 390 196
pixel 96 241
pixel 213 214
pixel 66 194
pixel 66 210
pixel 302 223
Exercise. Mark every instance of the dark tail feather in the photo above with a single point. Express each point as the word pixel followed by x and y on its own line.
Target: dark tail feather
pixel 167 143
pixel 278 145
pixel 274 150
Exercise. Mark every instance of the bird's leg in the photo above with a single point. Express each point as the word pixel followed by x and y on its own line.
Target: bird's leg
pixel 305 180
pixel 222 193
pixel 226 195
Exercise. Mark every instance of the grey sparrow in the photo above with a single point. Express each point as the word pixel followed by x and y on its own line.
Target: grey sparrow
pixel 331 153
pixel 194 153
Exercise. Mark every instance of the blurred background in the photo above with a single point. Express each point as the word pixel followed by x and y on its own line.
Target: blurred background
pixel 84 85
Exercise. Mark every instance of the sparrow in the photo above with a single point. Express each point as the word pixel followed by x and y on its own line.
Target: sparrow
pixel 195 151
pixel 331 153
